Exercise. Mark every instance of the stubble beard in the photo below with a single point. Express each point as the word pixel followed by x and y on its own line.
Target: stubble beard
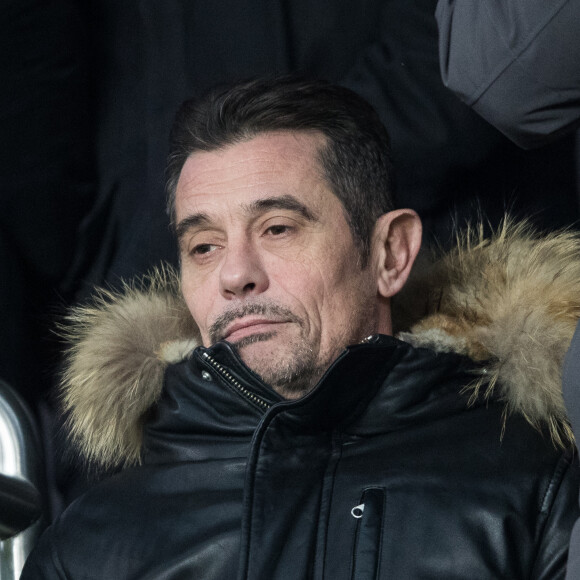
pixel 292 373
pixel 291 376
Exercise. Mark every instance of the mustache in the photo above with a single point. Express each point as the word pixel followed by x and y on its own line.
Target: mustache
pixel 217 330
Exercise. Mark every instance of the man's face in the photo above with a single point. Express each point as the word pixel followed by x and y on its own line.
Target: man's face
pixel 268 261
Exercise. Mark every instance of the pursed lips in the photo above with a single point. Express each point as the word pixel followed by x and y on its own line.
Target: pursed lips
pixel 245 327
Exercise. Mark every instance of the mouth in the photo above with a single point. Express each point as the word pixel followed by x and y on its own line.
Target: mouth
pixel 248 327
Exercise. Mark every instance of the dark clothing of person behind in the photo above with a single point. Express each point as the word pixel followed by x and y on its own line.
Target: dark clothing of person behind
pixel 515 62
pixel 47 181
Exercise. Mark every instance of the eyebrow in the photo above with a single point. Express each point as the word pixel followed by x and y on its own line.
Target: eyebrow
pixel 189 223
pixel 287 202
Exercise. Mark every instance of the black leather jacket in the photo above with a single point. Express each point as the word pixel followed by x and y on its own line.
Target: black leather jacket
pixel 383 471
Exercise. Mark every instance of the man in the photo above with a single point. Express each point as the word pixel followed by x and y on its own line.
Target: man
pixel 301 440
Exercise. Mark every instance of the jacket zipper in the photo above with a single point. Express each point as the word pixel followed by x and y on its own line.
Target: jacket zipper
pixel 225 374
pixel 369 534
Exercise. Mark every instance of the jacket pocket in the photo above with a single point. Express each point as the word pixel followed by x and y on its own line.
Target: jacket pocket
pixel 369 534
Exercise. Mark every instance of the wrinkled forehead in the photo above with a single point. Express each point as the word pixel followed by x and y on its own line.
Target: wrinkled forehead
pixel 269 165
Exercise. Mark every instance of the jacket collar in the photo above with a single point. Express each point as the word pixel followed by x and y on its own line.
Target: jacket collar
pixel 371 388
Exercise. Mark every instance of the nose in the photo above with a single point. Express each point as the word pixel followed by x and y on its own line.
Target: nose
pixel 242 272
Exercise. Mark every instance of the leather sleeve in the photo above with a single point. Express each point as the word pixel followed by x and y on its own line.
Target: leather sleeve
pixel 43 564
pixel 560 507
pixel 515 63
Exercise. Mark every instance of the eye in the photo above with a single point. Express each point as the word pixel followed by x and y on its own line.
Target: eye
pixel 278 229
pixel 202 249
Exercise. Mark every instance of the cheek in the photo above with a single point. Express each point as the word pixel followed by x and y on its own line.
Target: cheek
pixel 198 303
pixel 312 293
pixel 316 278
pixel 303 280
pixel 349 294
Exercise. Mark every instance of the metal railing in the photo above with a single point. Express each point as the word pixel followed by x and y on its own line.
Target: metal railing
pixel 21 478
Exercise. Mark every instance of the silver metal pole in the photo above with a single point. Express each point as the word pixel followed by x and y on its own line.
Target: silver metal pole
pixel 20 457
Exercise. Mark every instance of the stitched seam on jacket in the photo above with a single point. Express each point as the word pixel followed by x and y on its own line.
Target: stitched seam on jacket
pixel 564 463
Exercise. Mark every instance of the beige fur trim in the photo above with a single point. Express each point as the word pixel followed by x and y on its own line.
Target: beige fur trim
pixel 512 300
pixel 114 368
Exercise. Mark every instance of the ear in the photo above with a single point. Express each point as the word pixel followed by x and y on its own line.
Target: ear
pixel 396 242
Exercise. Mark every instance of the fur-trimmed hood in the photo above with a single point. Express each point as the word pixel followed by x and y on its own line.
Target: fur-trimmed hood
pixel 511 300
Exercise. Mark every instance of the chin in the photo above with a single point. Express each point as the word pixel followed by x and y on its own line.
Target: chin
pixel 262 353
pixel 289 366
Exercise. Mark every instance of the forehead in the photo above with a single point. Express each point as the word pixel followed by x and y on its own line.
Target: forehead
pixel 268 165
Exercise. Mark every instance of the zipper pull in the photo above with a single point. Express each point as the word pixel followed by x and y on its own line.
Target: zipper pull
pixel 357 511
